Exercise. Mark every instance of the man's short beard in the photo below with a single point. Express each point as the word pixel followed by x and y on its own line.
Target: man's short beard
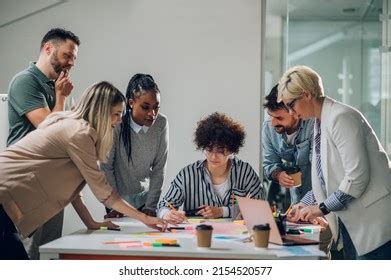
pixel 56 64
pixel 280 131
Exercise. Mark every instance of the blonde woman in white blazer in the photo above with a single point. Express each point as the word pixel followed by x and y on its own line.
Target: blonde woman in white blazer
pixel 351 174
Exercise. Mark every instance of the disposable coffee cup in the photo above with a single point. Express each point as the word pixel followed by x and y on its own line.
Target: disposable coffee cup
pixel 204 236
pixel 261 235
pixel 295 173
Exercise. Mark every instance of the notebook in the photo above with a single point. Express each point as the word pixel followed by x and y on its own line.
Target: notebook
pixel 257 212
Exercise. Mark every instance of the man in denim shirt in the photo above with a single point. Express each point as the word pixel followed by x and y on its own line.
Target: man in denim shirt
pixel 286 141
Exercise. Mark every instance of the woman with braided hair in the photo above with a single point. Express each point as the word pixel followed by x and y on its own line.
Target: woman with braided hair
pixel 137 162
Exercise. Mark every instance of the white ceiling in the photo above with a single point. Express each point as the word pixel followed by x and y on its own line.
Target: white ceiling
pixel 326 9
pixel 14 10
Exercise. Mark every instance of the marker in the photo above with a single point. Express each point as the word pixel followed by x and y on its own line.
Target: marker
pixel 307 230
pixel 107 228
pixel 179 228
pixel 170 245
pixel 293 231
pixel 157 244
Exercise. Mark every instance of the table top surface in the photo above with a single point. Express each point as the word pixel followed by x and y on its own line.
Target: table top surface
pixel 230 241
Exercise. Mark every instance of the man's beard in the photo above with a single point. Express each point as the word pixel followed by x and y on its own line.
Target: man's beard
pixel 280 129
pixel 58 68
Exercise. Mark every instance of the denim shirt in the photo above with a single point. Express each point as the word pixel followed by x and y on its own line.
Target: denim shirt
pixel 276 151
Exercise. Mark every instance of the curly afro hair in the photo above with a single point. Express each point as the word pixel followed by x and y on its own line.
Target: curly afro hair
pixel 219 131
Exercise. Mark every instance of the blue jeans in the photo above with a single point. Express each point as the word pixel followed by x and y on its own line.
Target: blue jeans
pixel 349 251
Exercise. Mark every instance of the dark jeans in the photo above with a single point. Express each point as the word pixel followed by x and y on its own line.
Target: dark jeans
pixel 349 251
pixel 11 247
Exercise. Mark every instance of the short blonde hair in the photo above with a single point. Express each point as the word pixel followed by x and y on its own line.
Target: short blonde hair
pixel 95 107
pixel 297 80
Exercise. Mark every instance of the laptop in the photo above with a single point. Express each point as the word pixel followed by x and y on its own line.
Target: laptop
pixel 257 212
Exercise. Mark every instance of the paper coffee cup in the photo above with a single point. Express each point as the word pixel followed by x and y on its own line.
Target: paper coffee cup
pixel 297 178
pixel 261 235
pixel 204 235
pixel 295 173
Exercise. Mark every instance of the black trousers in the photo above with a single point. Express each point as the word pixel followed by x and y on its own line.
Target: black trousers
pixel 11 247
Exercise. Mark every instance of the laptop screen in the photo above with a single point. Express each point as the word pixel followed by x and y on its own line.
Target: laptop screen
pixel 257 212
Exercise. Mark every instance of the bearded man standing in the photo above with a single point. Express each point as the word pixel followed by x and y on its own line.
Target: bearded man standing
pixel 33 94
pixel 287 142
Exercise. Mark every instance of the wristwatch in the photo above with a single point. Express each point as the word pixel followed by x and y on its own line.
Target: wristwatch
pixel 324 208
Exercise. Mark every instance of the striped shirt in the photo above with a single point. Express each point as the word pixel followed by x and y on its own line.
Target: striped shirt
pixel 192 187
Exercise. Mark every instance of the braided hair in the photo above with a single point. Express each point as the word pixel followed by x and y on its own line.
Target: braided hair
pixel 139 84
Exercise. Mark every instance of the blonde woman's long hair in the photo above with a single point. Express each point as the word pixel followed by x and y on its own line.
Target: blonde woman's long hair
pixel 95 107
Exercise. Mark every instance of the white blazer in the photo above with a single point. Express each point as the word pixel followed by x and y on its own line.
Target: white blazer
pixel 354 162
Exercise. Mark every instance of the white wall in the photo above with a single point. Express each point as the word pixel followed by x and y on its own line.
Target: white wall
pixel 3 121
pixel 204 55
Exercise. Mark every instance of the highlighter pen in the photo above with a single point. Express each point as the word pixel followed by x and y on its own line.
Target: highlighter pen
pixel 107 228
pixel 307 230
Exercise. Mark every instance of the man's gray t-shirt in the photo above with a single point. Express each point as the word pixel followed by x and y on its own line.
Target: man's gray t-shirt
pixel 29 90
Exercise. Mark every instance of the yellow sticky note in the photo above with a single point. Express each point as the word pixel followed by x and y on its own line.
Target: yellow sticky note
pixel 166 241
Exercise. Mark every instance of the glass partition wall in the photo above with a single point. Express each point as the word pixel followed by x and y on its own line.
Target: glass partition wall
pixel 346 41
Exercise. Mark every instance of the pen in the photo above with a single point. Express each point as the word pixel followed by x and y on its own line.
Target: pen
pixel 170 205
pixel 173 208
pixel 288 210
pixel 107 228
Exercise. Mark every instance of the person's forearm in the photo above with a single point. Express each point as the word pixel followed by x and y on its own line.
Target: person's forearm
pixel 60 104
pixel 82 211
pixel 122 206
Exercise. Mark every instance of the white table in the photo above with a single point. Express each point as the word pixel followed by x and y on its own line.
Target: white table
pixel 90 244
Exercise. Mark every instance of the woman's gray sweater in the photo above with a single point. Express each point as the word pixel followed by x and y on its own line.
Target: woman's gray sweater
pixel 147 166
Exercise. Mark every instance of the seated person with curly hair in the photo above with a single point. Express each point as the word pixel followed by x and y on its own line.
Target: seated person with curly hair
pixel 206 186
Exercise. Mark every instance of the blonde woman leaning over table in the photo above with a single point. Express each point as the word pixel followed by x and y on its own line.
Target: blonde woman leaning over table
pixel 350 170
pixel 47 169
